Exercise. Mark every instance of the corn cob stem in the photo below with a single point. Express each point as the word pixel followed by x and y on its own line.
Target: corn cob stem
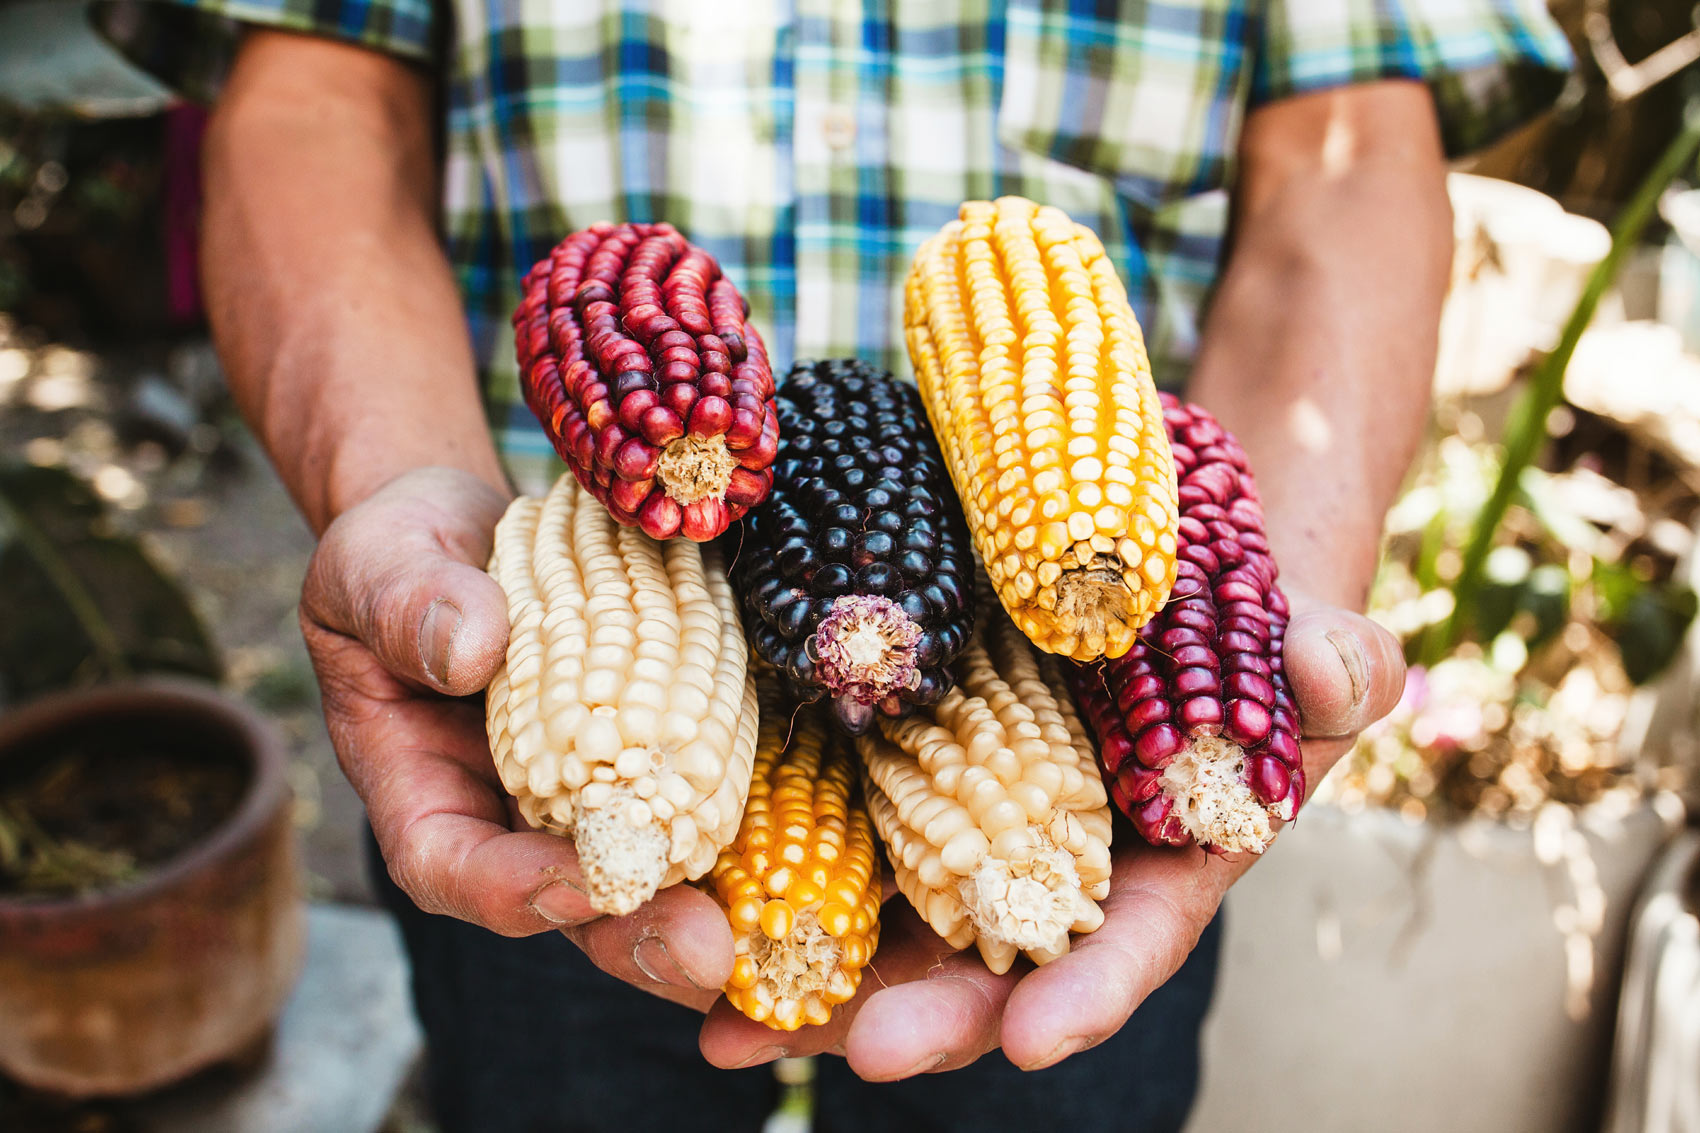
pixel 1035 376
pixel 799 882
pixel 693 468
pixel 992 808
pixel 1196 724
pixel 624 714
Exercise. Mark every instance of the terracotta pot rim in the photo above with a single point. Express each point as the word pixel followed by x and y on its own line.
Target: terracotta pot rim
pixel 267 785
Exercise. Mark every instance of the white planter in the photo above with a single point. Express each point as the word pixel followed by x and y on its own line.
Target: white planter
pixel 1389 976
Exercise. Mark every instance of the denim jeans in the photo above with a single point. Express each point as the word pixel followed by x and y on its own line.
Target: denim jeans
pixel 526 1036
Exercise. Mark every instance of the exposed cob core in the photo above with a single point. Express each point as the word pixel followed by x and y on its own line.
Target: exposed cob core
pixel 624 715
pixel 1196 724
pixel 991 805
pixel 634 354
pixel 799 883
pixel 856 571
pixel 1035 376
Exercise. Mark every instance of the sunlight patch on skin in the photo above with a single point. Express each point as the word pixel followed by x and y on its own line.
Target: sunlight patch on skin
pixel 1309 426
pixel 1339 145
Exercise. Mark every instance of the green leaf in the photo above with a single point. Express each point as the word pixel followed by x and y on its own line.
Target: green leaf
pixel 1648 625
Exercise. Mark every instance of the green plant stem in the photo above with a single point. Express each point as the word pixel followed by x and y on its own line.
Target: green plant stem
pixel 62 578
pixel 1526 427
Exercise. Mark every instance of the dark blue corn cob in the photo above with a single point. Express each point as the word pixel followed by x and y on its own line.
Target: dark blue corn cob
pixel 856 572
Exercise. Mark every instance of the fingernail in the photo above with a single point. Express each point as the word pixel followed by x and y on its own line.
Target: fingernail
pixel 562 903
pixel 931 1062
pixel 1063 1049
pixel 437 638
pixel 762 1054
pixel 838 1049
pixel 653 960
pixel 1351 654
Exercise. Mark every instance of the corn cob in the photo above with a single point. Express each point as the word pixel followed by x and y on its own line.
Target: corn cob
pixel 625 715
pixel 856 573
pixel 800 883
pixel 991 805
pixel 1035 376
pixel 1196 724
pixel 635 356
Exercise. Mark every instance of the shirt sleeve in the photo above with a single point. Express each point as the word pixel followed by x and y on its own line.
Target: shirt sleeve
pixel 189 44
pixel 1490 64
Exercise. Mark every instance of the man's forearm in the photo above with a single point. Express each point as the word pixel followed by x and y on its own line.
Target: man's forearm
pixel 330 298
pixel 1319 348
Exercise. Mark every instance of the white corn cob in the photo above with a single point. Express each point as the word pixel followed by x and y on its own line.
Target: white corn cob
pixel 625 714
pixel 991 805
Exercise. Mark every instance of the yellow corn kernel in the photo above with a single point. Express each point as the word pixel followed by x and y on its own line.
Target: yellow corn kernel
pixel 991 805
pixel 816 922
pixel 1035 377
pixel 624 714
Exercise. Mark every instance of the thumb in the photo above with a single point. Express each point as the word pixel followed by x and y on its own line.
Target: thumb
pixel 1346 671
pixel 402 572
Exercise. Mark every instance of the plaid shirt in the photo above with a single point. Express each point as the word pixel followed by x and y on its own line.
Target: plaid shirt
pixel 812 144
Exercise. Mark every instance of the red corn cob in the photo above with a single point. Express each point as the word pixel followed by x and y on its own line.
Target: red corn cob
pixel 635 356
pixel 1196 724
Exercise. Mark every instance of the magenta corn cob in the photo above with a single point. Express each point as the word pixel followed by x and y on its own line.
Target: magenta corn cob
pixel 1196 725
pixel 634 354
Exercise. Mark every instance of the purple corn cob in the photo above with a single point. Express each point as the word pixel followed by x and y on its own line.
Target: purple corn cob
pixel 1196 726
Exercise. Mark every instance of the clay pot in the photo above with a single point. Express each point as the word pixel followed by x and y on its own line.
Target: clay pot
pixel 139 985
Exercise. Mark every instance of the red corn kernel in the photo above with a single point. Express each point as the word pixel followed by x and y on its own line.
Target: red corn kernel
pixel 634 405
pixel 660 517
pixel 636 460
pixel 661 426
pixel 608 442
pixel 748 488
pixel 710 417
pixel 745 428
pixel 704 519
pixel 760 454
pixel 629 495
pixel 681 398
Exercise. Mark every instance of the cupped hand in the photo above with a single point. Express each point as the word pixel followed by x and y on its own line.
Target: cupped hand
pixel 404 628
pixel 924 1008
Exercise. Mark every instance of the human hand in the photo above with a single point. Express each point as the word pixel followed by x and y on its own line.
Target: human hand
pixel 923 1007
pixel 404 629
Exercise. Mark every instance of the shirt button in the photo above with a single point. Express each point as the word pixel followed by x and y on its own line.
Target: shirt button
pixel 839 128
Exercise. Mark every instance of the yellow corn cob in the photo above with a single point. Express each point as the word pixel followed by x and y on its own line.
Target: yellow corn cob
pixel 625 714
pixel 1035 377
pixel 991 804
pixel 800 882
